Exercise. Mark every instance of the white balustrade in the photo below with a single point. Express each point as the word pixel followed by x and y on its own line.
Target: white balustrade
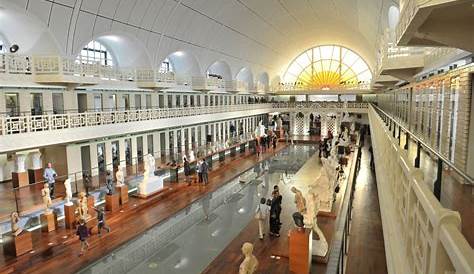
pixel 420 235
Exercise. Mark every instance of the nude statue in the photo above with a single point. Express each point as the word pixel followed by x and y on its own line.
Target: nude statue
pixel 67 186
pixel 15 219
pixel 120 177
pixel 46 198
pixel 300 201
pixel 83 207
pixel 250 263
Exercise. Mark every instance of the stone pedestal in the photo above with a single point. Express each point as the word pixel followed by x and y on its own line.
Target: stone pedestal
pixel 20 179
pixel 112 202
pixel 35 175
pixel 150 186
pixel 90 201
pixel 49 222
pixel 69 216
pixel 17 245
pixel 123 193
pixel 300 250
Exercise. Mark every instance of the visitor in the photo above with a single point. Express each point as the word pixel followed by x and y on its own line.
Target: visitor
pixel 187 171
pixel 199 170
pixel 261 216
pixel 87 181
pixel 204 170
pixel 49 175
pixel 101 221
pixel 275 211
pixel 83 234
pixel 321 148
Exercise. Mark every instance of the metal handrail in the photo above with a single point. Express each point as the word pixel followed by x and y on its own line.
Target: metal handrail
pixel 426 146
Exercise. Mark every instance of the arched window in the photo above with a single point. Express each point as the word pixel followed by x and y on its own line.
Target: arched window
pixel 166 66
pixel 95 53
pixel 393 17
pixel 328 67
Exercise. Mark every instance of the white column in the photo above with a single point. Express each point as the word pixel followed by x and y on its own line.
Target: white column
pixel 167 142
pixel 134 150
pixel 74 164
pixel 156 144
pixel 48 101
pixel 145 144
pixel 94 161
pixel 108 153
pixel 122 154
pixel 24 101
pixel 154 104
pixel 183 139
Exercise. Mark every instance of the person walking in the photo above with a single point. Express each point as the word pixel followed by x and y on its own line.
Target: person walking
pixel 187 171
pixel 204 170
pixel 275 211
pixel 199 170
pixel 83 234
pixel 261 216
pixel 49 175
pixel 101 221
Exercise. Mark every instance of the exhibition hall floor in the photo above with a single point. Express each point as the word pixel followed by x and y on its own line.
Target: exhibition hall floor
pixel 59 249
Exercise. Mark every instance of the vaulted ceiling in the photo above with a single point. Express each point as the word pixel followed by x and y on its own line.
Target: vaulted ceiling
pixel 264 35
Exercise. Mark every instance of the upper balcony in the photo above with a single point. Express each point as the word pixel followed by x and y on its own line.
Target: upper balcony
pixel 57 70
pixel 300 89
pixel 436 23
pixel 400 62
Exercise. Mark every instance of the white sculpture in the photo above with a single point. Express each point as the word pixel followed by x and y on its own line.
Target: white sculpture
pixel 82 206
pixel 320 245
pixel 192 158
pixel 67 186
pixel 352 128
pixel 151 183
pixel 46 198
pixel 250 263
pixel 20 163
pixel 120 177
pixel 300 201
pixel 260 130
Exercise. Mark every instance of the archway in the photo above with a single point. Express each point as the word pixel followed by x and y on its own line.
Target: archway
pixel 245 75
pixel 221 70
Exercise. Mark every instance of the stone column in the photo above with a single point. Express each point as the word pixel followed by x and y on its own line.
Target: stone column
pixel 94 160
pixel 134 150
pixel 108 153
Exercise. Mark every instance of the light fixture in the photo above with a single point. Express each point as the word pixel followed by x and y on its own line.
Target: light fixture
pixel 14 48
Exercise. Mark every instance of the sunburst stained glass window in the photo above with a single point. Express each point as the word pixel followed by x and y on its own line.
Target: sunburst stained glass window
pixel 328 67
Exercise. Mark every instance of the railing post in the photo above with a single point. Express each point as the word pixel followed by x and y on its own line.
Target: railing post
pixel 407 140
pixel 437 183
pixel 399 135
pixel 394 129
pixel 417 158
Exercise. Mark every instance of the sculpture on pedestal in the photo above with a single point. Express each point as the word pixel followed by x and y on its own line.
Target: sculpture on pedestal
pixel 46 198
pixel 109 183
pixel 120 177
pixel 150 183
pixel 82 206
pixel 300 201
pixel 352 128
pixel 250 263
pixel 320 244
pixel 260 130
pixel 192 158
pixel 15 219
pixel 67 187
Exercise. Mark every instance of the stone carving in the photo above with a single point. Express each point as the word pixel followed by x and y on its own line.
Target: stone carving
pixel 192 158
pixel 352 128
pixel 82 206
pixel 250 263
pixel 260 130
pixel 320 244
pixel 67 187
pixel 150 183
pixel 46 198
pixel 120 177
pixel 300 201
pixel 15 219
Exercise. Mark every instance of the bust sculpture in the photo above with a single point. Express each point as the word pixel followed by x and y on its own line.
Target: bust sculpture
pixel 82 207
pixel 299 200
pixel 46 198
pixel 192 158
pixel 120 177
pixel 15 219
pixel 250 263
pixel 67 187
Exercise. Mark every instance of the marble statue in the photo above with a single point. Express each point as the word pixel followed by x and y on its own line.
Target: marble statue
pixel 192 158
pixel 260 130
pixel 300 201
pixel 320 244
pixel 151 183
pixel 120 177
pixel 83 206
pixel 15 219
pixel 46 198
pixel 352 128
pixel 67 187
pixel 250 263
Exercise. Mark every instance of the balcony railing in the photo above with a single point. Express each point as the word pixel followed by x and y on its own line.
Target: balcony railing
pixel 320 105
pixel 301 88
pixel 42 66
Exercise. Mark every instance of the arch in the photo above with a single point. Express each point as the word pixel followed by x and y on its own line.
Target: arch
pixel 263 81
pixel 393 17
pixel 221 68
pixel 27 31
pixel 245 75
pixel 328 67
pixel 184 63
pixel 127 51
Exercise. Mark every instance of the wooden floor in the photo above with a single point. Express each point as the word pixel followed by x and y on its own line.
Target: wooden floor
pixel 58 250
pixel 366 248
